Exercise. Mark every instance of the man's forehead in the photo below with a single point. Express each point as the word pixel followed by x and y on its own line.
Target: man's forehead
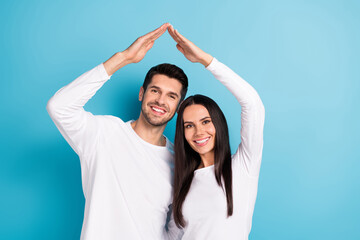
pixel 165 83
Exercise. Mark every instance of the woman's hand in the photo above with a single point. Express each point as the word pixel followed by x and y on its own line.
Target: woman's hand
pixel 189 49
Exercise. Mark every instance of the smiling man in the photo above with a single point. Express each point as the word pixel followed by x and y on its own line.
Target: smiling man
pixel 126 166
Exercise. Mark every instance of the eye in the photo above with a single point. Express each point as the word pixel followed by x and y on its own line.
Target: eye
pixel 172 97
pixel 206 122
pixel 188 125
pixel 154 90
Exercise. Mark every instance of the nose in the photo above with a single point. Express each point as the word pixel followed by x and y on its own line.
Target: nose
pixel 199 130
pixel 161 99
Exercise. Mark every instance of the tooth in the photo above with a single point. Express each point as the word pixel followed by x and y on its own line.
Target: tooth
pixel 202 141
pixel 158 110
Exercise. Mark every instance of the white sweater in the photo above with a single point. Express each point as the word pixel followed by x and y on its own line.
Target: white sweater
pixel 205 208
pixel 127 182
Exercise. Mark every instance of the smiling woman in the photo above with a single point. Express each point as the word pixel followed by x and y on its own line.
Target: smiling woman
pixel 201 141
pixel 214 192
pixel 199 127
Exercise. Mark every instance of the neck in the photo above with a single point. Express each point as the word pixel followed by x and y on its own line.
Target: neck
pixel 149 133
pixel 207 159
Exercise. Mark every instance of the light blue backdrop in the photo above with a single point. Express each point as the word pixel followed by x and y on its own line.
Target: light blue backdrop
pixel 302 57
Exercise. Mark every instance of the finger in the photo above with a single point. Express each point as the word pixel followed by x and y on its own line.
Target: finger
pixel 156 31
pixel 180 49
pixel 172 34
pixel 180 37
pixel 153 35
pixel 159 33
pixel 149 46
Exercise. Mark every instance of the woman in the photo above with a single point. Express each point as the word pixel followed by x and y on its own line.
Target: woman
pixel 214 192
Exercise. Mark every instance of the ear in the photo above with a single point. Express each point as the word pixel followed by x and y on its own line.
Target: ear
pixel 141 94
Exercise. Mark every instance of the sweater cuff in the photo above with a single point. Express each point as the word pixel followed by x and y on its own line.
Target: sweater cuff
pixel 213 65
pixel 102 72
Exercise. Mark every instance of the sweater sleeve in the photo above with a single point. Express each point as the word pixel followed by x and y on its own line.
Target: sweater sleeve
pixel 249 152
pixel 79 128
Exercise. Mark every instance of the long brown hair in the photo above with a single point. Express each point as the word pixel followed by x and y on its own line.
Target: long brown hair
pixel 187 160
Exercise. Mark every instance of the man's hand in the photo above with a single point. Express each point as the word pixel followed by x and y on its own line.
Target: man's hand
pixel 136 52
pixel 189 49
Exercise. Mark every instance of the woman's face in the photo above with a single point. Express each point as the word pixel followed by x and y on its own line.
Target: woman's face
pixel 198 129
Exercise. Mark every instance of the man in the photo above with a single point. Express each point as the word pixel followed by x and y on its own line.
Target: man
pixel 126 167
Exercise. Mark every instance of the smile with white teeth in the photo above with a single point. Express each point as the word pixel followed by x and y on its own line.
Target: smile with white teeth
pixel 157 110
pixel 202 141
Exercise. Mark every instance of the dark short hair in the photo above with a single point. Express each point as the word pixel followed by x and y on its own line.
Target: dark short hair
pixel 171 71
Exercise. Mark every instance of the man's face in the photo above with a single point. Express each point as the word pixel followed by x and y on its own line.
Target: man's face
pixel 160 100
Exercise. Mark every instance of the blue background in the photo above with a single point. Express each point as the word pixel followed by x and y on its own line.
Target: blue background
pixel 302 57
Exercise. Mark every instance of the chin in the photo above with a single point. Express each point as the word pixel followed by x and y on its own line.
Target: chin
pixel 202 151
pixel 155 120
pixel 158 122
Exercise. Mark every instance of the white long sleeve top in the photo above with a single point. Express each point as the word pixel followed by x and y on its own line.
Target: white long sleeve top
pixel 205 207
pixel 127 182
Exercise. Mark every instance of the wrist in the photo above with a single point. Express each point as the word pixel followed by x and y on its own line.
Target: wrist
pixel 206 60
pixel 117 61
pixel 121 59
pixel 124 57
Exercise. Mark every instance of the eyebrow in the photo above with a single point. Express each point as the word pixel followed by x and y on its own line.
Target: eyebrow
pixel 200 119
pixel 171 93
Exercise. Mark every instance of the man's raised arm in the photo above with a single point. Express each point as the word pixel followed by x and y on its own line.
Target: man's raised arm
pixel 136 52
pixel 79 127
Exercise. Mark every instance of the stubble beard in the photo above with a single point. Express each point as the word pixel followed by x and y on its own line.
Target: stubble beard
pixel 152 121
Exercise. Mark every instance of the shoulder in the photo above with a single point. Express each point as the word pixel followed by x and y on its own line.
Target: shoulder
pixel 109 121
pixel 109 118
